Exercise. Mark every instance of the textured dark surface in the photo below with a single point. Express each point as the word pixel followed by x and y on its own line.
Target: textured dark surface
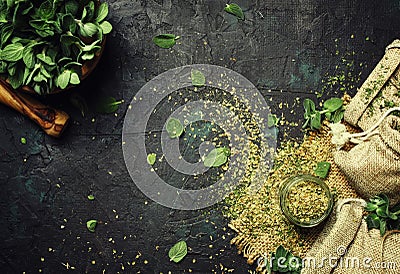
pixel 286 48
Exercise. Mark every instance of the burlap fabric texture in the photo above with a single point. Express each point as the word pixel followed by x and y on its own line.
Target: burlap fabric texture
pixel 379 92
pixel 373 166
pixel 260 226
pixel 347 246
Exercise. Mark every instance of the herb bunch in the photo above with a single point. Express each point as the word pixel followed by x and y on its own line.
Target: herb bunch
pixel 332 109
pixel 44 43
pixel 380 216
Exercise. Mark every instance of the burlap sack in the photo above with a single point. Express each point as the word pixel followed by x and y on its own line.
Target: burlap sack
pixel 346 246
pixel 373 166
pixel 378 93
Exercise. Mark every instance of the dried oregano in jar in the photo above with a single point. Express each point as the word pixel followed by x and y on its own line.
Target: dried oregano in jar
pixel 305 200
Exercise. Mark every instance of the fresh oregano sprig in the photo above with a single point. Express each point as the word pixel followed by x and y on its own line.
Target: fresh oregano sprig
pixel 288 263
pixel 332 109
pixel 44 43
pixel 380 216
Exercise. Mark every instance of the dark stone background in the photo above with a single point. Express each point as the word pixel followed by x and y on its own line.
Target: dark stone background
pixel 286 48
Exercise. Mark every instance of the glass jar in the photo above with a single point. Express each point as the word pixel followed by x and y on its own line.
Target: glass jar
pixel 287 199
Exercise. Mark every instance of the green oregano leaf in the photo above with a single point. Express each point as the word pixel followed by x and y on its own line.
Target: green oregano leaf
pixel 174 128
pixel 46 10
pixel 6 32
pixel 322 169
pixel 91 225
pixel 316 121
pixel 333 104
pixel 372 221
pixel 309 107
pixel 88 29
pixel 198 78
pixel 71 7
pixel 235 10
pixel 371 207
pixel 381 211
pixel 69 39
pixel 165 41
pixel 63 79
pixel 281 252
pixel 151 158
pixel 90 11
pixel 12 52
pixel 272 120
pixel 382 227
pixel 28 57
pixel 102 12
pixel 178 252
pixel 90 197
pixel 23 140
pixel 74 78
pixel 108 105
pixel 106 27
pixel 217 157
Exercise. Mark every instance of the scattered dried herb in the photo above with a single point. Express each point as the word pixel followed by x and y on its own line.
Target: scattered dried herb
pixel 23 140
pixel 307 201
pixel 178 252
pixel 90 197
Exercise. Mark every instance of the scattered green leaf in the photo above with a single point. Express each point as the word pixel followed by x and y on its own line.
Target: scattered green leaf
pixel 165 41
pixel 178 252
pixel 198 78
pixel 108 105
pixel 272 120
pixel 91 225
pixel 151 158
pixel 174 128
pixel 235 10
pixel 217 157
pixel 322 169
pixel 23 140
pixel 288 263
pixel 90 197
